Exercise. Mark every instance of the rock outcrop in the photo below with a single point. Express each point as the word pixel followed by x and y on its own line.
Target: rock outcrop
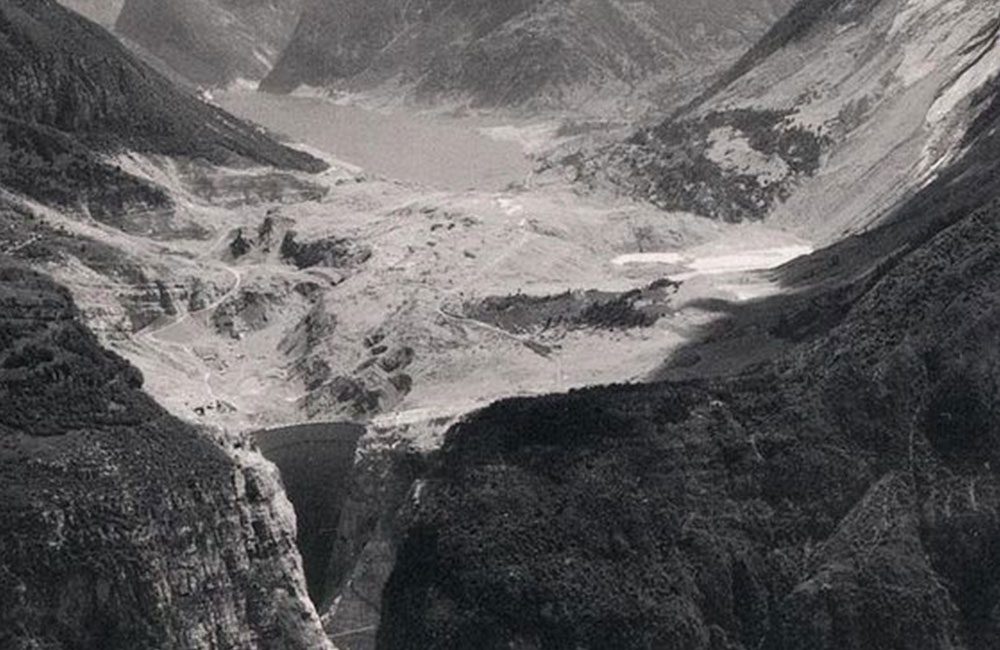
pixel 383 488
pixel 120 526
pixel 316 462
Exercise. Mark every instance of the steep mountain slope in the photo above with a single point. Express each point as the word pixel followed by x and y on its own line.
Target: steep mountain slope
pixel 70 95
pixel 840 493
pixel 843 110
pixel 211 42
pixel 539 52
pixel 120 526
pixel 66 74
pixel 102 12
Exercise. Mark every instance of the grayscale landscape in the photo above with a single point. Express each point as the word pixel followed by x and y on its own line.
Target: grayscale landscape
pixel 482 325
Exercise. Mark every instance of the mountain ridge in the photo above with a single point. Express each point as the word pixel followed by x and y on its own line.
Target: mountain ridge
pixel 72 98
pixel 847 476
pixel 529 53
pixel 816 470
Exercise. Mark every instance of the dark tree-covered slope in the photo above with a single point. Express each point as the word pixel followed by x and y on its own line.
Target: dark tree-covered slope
pixel 68 74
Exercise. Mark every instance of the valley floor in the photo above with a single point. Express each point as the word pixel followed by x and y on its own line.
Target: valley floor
pixel 436 252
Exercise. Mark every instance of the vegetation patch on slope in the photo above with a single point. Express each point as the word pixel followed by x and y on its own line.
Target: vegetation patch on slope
pixel 522 313
pixel 730 165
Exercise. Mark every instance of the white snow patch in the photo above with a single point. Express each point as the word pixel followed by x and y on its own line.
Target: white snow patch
pixel 752 260
pixel 741 261
pixel 650 258
pixel 510 206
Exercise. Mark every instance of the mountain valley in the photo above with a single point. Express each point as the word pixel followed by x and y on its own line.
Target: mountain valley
pixel 586 324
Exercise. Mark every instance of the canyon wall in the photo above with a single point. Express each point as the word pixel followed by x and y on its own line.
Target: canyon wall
pixel 120 526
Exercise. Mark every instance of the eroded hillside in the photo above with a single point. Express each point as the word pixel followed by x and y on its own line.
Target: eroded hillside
pixel 841 112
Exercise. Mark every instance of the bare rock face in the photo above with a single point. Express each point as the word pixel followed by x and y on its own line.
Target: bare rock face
pixel 247 311
pixel 316 462
pixel 353 489
pixel 120 526
pixel 211 42
pixel 383 488
pixel 524 52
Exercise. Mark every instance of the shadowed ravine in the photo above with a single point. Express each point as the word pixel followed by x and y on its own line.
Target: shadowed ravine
pixel 315 461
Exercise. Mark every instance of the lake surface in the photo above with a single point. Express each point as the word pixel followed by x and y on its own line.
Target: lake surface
pixel 448 154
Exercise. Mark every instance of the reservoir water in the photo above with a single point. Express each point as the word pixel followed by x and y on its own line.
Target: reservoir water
pixel 440 152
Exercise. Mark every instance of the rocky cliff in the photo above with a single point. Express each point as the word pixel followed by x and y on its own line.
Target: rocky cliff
pixel 316 462
pixel 528 52
pixel 211 42
pixel 381 487
pixel 120 526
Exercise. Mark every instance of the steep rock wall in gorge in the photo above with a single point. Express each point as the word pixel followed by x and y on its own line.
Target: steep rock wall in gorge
pixel 120 526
